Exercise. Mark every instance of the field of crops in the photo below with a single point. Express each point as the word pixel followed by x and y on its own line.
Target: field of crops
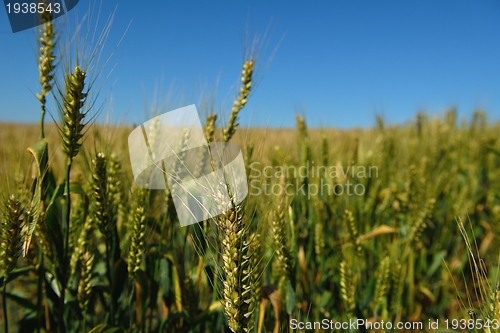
pixel 391 225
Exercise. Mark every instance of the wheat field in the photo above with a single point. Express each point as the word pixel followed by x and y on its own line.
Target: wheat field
pixel 384 226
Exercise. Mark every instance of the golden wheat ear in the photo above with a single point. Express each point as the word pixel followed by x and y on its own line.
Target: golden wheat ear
pixel 238 257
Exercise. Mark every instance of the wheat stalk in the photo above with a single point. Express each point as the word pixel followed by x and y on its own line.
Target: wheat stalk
pixel 71 133
pixel 104 218
pixel 305 158
pixel 46 61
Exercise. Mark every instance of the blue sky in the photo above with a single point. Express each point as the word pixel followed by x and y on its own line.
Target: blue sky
pixel 337 62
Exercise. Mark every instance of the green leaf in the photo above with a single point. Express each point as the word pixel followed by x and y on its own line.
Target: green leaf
pixel 98 328
pixel 52 217
pixel 493 149
pixel 113 329
pixel 24 302
pixel 176 281
pixel 15 273
pixel 164 326
pixel 165 277
pixel 325 299
pixel 290 298
pixel 103 328
pixel 74 187
pixel 40 153
pixel 199 239
pixel 368 293
pixel 436 263
pixel 142 289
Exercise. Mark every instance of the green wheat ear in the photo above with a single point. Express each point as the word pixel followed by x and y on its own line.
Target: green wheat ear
pixel 84 285
pixel 46 59
pixel 73 115
pixel 81 245
pixel 11 234
pixel 347 289
pixel 138 234
pixel 281 238
pixel 382 283
pixel 101 195
pixel 353 232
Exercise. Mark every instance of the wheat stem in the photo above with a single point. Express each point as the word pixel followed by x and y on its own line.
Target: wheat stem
pixel 4 305
pixel 66 227
pixel 46 42
pixel 104 219
pixel 71 134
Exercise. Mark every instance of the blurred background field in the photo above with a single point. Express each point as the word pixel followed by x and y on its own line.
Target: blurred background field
pixel 398 252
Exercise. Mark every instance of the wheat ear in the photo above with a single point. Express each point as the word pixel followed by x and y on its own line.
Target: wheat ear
pixel 73 115
pixel 346 287
pixel 238 258
pixel 382 283
pixel 11 232
pixel 12 223
pixel 138 234
pixel 100 193
pixel 353 232
pixel 239 103
pixel 84 285
pixel 280 238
